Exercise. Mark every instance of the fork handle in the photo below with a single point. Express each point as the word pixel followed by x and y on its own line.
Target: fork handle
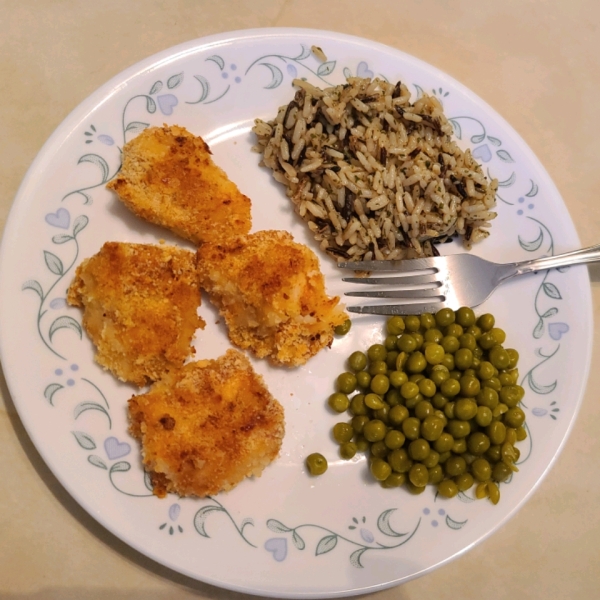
pixel 577 257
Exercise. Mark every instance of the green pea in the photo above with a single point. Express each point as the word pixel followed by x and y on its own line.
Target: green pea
pixel 379 449
pixel 338 402
pixel 391 359
pixel 433 335
pixel 458 429
pixel 344 328
pixel 399 460
pixel 348 450
pixel 418 475
pixel 454 329
pixel 419 339
pixel 390 342
pixel 394 439
pixel 444 317
pixel 380 384
pixel 436 474
pixel 363 379
pixel 468 341
pixel 454 466
pixel 498 334
pixel 493 383
pixel 432 428
pixel 465 409
pixel 394 480
pixel 414 489
pixel 475 364
pixel 474 330
pixel 416 363
pixel 494 453
pixel 511 395
pixel 419 449
pixel 411 428
pixel 447 488
pixel 469 386
pixel 342 432
pixel 423 410
pixel 416 377
pixel 412 402
pixel 434 353
pixel 357 361
pixel 449 410
pixel 501 472
pixel 409 390
pixel 444 443
pixel 427 388
pixel 362 445
pixel 511 435
pixel 513 355
pixel 477 352
pixel 448 361
pixel 496 431
pixel 395 325
pixel 398 414
pixel 450 344
pixel 406 343
pixel 380 469
pixel 439 400
pixel 316 463
pixel 486 341
pixel 412 322
pixel 514 417
pixel 486 370
pixel 374 401
pixel 481 469
pixel 488 397
pixel 398 378
pixel 521 433
pixel 374 431
pixel 478 443
pixel 358 406
pixel 393 397
pixel 376 352
pixel 463 358
pixel 464 481
pixel 358 423
pixel 382 413
pixel 459 446
pixel 378 367
pixel 450 388
pixel 508 377
pixel 427 321
pixel 346 383
pixel 432 459
pixel 499 410
pixel 484 416
pixel 465 316
pixel 486 322
pixel 499 357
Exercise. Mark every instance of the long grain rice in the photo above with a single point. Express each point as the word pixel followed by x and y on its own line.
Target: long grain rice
pixel 374 175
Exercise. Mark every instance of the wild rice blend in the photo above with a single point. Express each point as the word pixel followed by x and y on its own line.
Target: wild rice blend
pixel 373 175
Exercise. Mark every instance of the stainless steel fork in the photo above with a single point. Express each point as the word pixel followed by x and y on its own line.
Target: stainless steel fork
pixel 429 284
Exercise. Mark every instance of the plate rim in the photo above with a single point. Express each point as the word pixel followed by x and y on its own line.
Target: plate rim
pixel 103 94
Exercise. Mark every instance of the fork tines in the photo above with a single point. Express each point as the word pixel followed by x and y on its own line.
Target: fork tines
pixel 412 280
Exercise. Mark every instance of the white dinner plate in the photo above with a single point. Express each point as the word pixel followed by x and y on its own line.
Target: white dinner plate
pixel 285 534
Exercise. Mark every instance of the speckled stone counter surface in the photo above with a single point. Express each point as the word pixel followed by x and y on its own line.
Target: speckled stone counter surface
pixel 536 63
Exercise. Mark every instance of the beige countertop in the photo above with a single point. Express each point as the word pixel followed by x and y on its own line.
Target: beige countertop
pixel 536 63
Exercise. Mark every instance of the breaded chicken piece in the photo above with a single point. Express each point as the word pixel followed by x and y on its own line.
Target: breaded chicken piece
pixel 140 308
pixel 207 426
pixel 272 294
pixel 168 178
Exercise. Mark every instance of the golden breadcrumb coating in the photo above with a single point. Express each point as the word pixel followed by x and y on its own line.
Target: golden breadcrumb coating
pixel 168 178
pixel 207 426
pixel 272 294
pixel 140 308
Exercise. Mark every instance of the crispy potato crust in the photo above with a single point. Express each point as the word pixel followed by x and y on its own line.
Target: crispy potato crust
pixel 207 426
pixel 272 295
pixel 168 178
pixel 140 308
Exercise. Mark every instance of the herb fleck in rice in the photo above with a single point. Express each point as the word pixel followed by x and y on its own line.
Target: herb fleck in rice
pixel 374 175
